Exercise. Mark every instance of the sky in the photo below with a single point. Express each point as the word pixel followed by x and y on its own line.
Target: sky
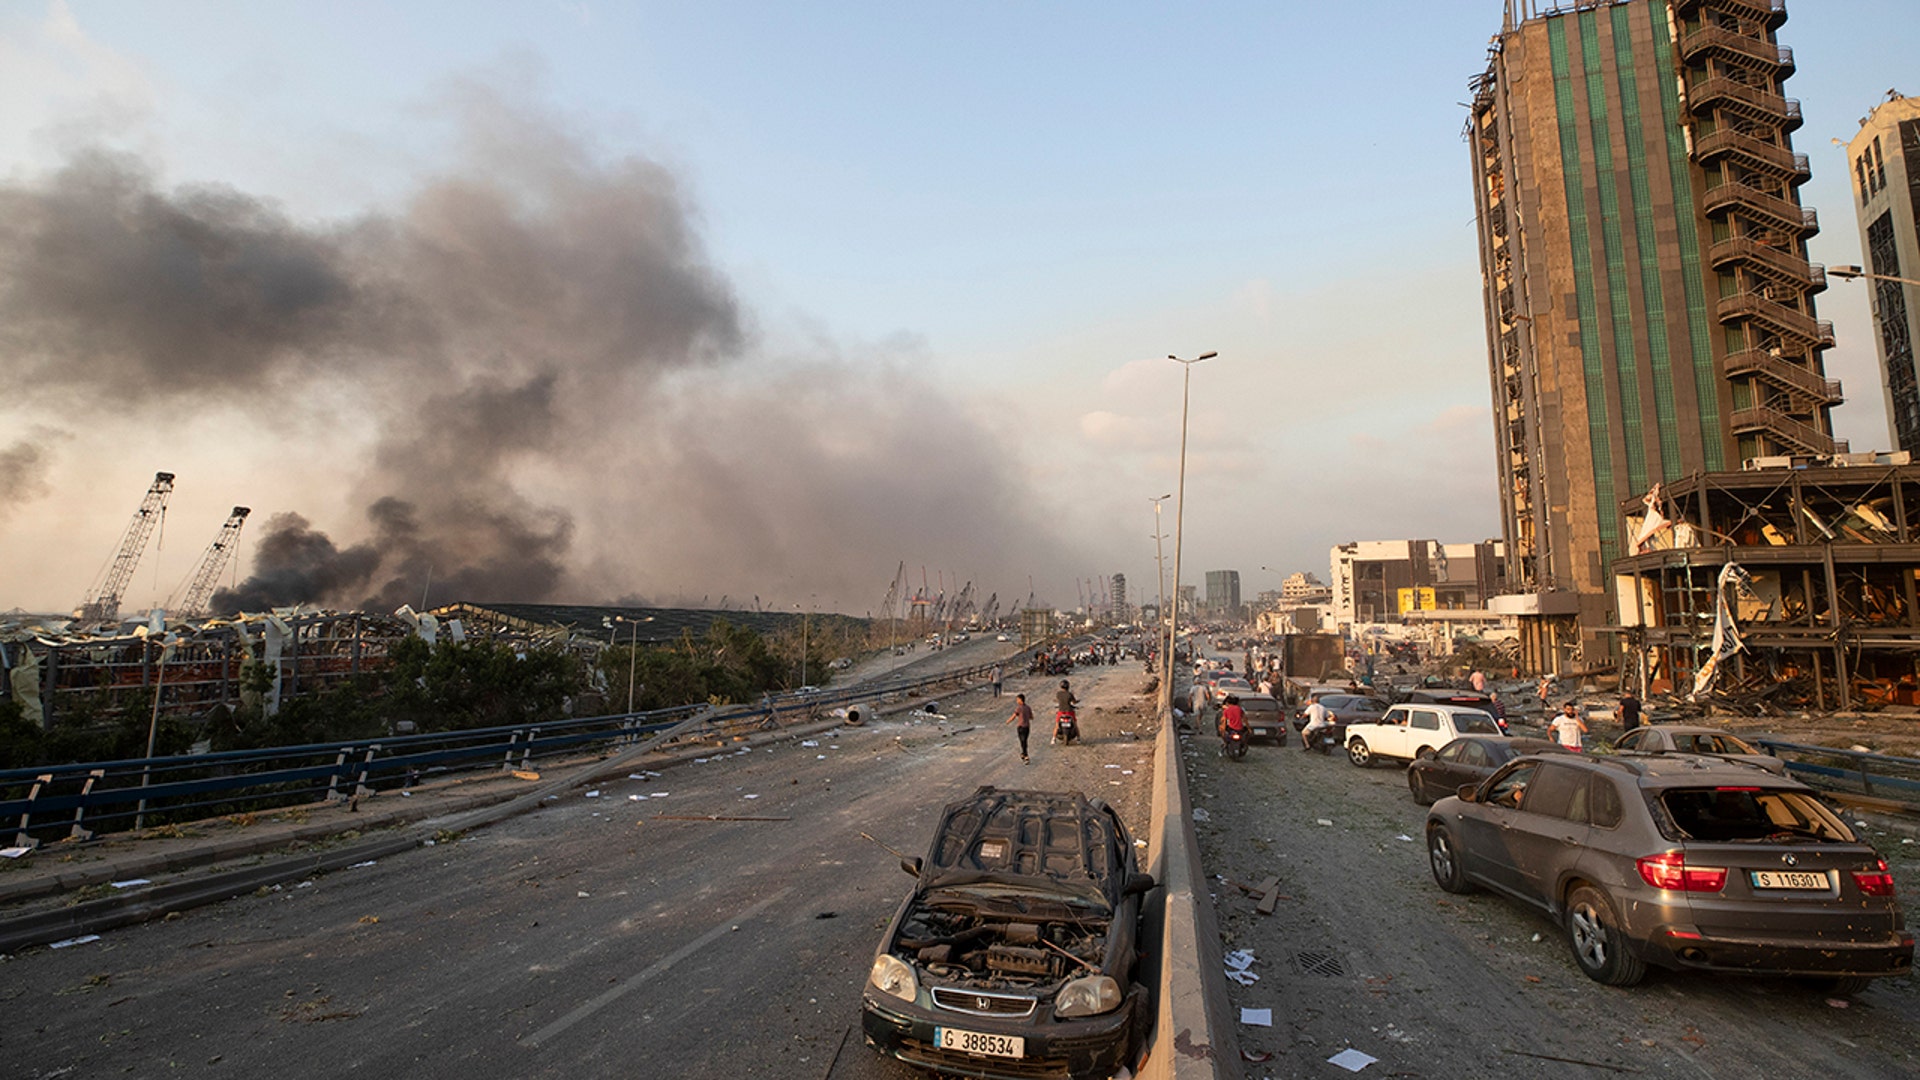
pixel 755 303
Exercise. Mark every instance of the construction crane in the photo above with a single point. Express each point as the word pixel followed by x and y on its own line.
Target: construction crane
pixel 103 604
pixel 991 609
pixel 191 598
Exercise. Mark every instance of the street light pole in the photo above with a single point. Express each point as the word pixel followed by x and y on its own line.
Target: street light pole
pixel 633 652
pixel 1160 579
pixel 1848 273
pixel 1180 508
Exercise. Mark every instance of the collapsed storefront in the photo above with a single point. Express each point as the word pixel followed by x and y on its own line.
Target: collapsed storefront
pixel 1788 586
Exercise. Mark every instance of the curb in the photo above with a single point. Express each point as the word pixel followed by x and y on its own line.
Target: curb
pixel 1193 1036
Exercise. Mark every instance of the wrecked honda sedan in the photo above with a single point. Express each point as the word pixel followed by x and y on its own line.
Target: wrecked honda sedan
pixel 1016 954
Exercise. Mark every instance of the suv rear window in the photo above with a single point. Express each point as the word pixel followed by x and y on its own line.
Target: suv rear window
pixel 1475 723
pixel 1258 704
pixel 1722 814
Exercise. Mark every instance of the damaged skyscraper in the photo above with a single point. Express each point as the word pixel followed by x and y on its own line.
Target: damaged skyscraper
pixel 1649 303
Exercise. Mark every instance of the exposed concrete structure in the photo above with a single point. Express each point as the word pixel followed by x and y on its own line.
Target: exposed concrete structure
pixel 1649 303
pixel 1886 189
pixel 1223 592
pixel 1821 601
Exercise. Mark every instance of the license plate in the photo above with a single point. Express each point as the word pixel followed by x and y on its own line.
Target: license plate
pixel 979 1042
pixel 1790 879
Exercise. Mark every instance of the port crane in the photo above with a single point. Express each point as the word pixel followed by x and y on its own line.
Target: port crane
pixel 190 600
pixel 103 604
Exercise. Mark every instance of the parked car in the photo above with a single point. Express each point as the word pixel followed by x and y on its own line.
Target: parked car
pixel 1347 708
pixel 1468 759
pixel 1679 861
pixel 1446 695
pixel 1406 732
pixel 1017 951
pixel 1265 718
pixel 1693 739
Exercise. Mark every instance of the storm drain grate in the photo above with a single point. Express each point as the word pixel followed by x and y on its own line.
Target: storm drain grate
pixel 1319 963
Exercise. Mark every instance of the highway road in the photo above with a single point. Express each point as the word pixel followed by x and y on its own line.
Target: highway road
pixel 1365 951
pixel 600 936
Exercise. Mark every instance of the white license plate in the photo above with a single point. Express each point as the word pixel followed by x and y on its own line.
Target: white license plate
pixel 1791 879
pixel 979 1042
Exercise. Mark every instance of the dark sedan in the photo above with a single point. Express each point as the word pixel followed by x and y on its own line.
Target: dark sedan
pixel 1017 952
pixel 1468 759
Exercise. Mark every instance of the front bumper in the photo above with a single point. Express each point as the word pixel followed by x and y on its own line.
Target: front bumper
pixel 1096 1046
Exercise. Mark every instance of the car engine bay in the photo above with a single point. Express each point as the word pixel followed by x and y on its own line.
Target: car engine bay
pixel 971 948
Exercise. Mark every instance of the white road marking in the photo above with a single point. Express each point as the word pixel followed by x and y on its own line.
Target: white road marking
pixel 658 968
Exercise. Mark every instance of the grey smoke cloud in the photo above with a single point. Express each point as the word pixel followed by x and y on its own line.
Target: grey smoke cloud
pixel 23 471
pixel 504 316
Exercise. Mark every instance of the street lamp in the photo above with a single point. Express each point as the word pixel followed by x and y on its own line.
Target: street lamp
pixel 1848 273
pixel 1160 577
pixel 633 653
pixel 1180 508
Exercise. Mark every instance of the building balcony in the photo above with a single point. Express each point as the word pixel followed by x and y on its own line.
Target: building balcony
pixel 1747 50
pixel 1778 264
pixel 1789 323
pixel 1786 430
pixel 1777 161
pixel 1772 12
pixel 1766 208
pixel 1804 383
pixel 1758 103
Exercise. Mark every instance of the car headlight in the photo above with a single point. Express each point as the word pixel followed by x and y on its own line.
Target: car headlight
pixel 893 975
pixel 1090 996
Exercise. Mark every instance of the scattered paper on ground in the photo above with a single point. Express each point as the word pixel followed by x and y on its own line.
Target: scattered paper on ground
pixel 358 865
pixel 1200 814
pixel 131 883
pixel 1404 836
pixel 1322 821
pixel 1257 1017
pixel 13 852
pixel 1352 1060
pixel 593 794
pixel 82 940
pixel 1239 959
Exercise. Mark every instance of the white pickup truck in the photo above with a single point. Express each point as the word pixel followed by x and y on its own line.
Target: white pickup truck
pixel 1406 732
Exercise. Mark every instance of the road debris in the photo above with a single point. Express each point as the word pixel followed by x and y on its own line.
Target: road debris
pixel 84 939
pixel 131 883
pixel 1256 1017
pixel 1352 1060
pixel 525 774
pixel 716 817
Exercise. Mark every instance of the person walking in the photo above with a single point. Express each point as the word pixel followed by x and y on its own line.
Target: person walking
pixel 1629 710
pixel 1567 728
pixel 1546 689
pixel 1022 716
pixel 1478 680
pixel 999 676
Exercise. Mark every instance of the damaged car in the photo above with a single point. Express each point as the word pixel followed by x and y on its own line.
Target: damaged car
pixel 1017 954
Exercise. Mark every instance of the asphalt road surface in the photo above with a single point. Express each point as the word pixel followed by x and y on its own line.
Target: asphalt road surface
pixel 1365 951
pixel 596 937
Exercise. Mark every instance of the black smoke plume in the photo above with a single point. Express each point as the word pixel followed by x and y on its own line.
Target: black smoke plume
pixel 538 340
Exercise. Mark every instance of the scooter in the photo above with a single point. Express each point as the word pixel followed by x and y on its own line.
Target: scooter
pixel 1325 740
pixel 1234 742
pixel 1066 726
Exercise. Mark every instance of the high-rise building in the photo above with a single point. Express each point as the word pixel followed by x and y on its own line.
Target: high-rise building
pixel 1223 592
pixel 1649 304
pixel 1118 596
pixel 1886 183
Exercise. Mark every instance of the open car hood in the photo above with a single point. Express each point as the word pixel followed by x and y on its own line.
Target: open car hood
pixel 1053 841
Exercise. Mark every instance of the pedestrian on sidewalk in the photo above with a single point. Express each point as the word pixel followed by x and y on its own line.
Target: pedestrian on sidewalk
pixel 1567 728
pixel 1023 716
pixel 999 676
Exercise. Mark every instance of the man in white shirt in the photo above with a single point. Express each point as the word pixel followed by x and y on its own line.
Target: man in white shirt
pixel 1567 728
pixel 1319 718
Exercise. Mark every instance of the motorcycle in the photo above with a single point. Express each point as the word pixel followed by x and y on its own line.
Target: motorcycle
pixel 1325 740
pixel 1066 727
pixel 1234 742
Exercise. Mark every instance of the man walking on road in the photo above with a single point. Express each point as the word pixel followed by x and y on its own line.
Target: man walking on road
pixel 1023 716
pixel 1567 728
pixel 1629 710
pixel 999 676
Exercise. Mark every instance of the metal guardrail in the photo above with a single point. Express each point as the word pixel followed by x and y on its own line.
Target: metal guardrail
pixel 1858 772
pixel 79 799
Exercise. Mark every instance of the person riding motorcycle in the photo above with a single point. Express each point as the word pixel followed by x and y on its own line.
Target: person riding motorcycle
pixel 1232 717
pixel 1064 718
pixel 1319 718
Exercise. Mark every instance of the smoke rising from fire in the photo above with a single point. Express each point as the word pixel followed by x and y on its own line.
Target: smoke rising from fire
pixel 563 390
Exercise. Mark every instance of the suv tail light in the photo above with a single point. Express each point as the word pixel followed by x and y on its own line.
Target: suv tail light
pixel 1669 870
pixel 1874 882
